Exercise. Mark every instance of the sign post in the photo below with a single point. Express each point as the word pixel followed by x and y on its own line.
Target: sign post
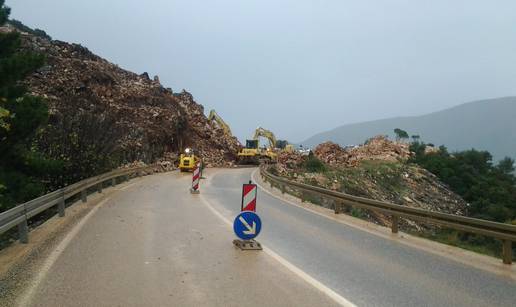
pixel 249 197
pixel 247 224
pixel 195 180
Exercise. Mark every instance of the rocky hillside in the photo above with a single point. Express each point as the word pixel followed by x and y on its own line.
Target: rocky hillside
pixel 377 170
pixel 99 109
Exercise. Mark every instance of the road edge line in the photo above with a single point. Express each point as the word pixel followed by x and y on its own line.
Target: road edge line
pixel 291 267
pixel 26 297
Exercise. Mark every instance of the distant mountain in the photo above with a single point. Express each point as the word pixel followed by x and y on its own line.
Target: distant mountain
pixel 484 125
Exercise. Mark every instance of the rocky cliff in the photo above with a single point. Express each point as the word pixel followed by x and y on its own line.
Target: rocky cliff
pixel 101 111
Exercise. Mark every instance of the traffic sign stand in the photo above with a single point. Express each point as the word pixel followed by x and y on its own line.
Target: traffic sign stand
pixel 247 226
pixel 195 180
pixel 247 244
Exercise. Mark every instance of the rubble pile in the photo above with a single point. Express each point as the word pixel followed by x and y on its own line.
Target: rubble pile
pixel 206 137
pixel 376 148
pixel 381 148
pixel 145 119
pixel 288 161
pixel 376 170
pixel 331 153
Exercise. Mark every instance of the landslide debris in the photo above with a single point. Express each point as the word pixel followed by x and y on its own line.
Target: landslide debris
pixel 377 170
pixel 101 112
pixel 376 148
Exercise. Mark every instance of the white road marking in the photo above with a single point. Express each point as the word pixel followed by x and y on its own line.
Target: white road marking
pixel 294 269
pixel 26 298
pixel 478 261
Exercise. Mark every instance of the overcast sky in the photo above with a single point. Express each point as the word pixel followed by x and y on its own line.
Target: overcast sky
pixel 300 67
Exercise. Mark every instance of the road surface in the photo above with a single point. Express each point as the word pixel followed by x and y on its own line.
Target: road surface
pixel 155 244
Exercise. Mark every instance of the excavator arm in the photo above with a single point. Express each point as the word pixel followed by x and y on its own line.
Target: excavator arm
pixel 260 132
pixel 213 116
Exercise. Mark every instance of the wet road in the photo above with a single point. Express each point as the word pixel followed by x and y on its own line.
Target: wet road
pixel 364 268
pixel 155 244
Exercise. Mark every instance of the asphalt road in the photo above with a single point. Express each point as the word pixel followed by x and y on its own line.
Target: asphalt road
pixel 364 268
pixel 155 244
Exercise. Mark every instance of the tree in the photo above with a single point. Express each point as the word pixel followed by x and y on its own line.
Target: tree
pixel 490 189
pixel 22 168
pixel 415 138
pixel 401 134
pixel 4 12
pixel 506 165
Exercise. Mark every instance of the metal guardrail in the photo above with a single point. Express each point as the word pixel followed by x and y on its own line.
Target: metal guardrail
pixel 19 215
pixel 504 232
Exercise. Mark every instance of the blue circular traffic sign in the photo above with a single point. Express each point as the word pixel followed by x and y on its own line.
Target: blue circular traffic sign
pixel 247 225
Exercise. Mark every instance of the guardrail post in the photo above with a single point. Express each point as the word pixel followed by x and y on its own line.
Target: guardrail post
pixel 113 182
pixel 507 252
pixel 23 231
pixel 338 207
pixel 99 187
pixel 61 206
pixel 282 189
pixel 394 225
pixel 84 196
pixel 303 197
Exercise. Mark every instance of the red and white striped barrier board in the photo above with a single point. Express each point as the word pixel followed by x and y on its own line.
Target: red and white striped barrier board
pixel 196 178
pixel 249 192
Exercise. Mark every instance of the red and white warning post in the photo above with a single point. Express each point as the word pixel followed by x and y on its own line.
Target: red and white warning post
pixel 249 192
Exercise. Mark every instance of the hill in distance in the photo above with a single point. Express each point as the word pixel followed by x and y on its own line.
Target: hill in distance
pixel 484 125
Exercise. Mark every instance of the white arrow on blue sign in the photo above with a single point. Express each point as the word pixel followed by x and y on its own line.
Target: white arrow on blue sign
pixel 247 225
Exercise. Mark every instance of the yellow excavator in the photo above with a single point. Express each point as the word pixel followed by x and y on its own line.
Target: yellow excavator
pixel 188 160
pixel 253 154
pixel 213 116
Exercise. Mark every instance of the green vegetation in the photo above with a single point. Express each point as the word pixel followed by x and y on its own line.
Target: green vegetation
pixel 314 165
pixel 23 170
pixel 401 134
pixel 386 176
pixel 489 188
pixel 36 32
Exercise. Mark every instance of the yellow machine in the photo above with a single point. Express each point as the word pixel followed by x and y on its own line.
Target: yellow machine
pixel 188 160
pixel 220 122
pixel 253 154
pixel 289 148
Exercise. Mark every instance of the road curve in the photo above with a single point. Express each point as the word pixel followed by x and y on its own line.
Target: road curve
pixel 366 269
pixel 155 244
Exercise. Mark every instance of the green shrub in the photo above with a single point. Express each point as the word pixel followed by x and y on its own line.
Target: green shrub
pixel 314 165
pixel 489 188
